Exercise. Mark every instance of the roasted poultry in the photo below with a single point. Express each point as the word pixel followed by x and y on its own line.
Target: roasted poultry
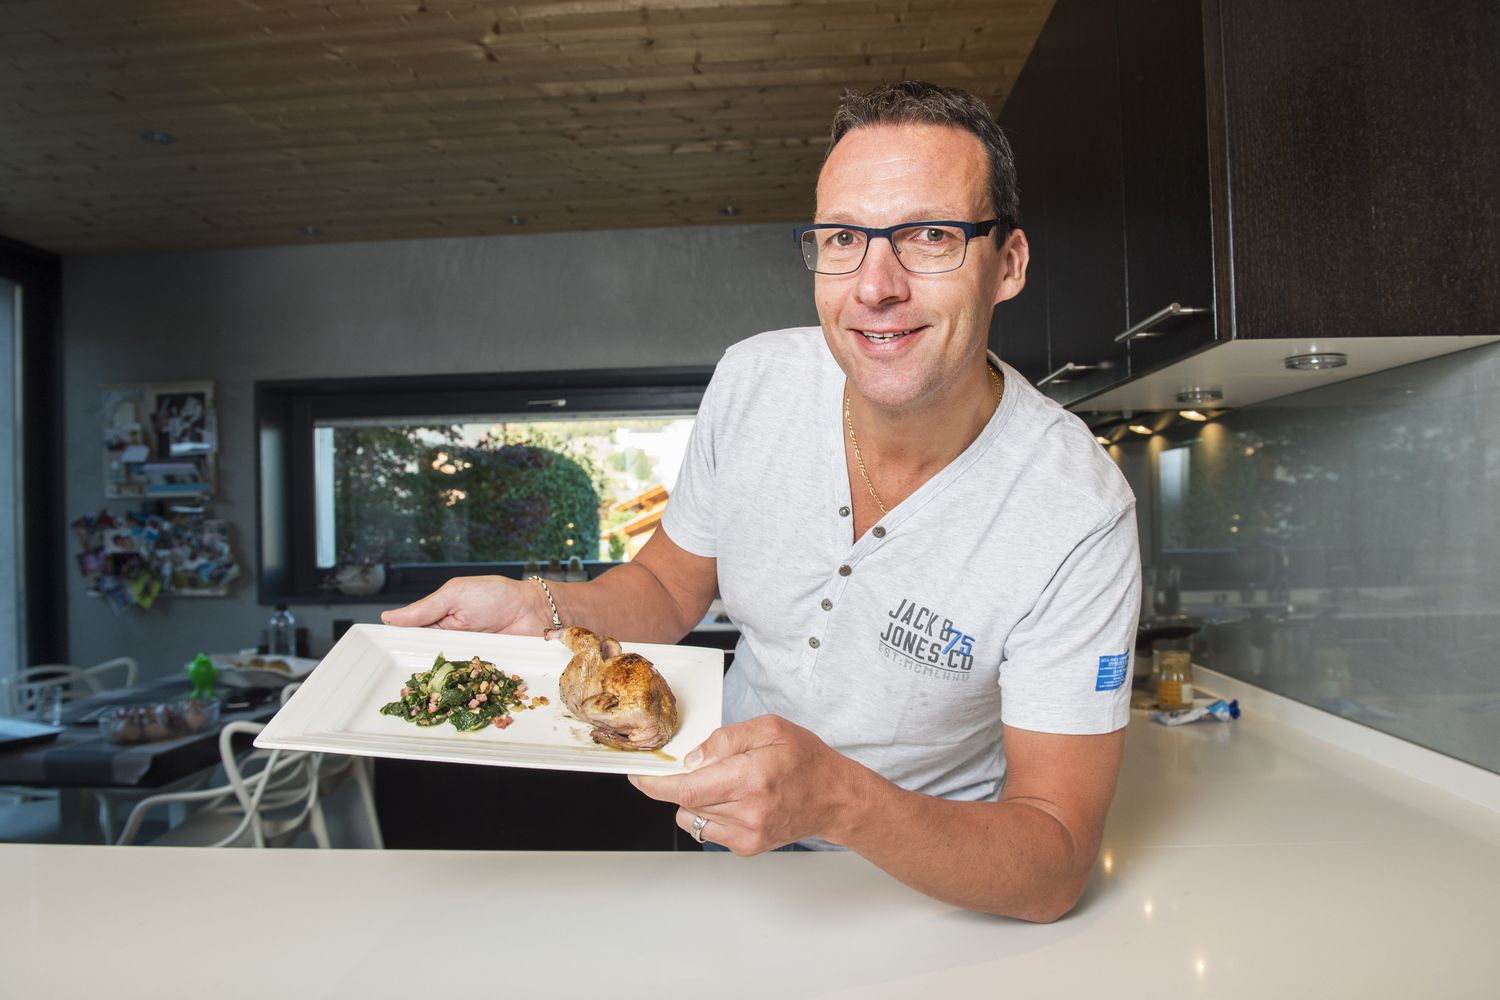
pixel 620 694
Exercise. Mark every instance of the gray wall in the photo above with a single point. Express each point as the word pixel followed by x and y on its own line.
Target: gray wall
pixel 616 299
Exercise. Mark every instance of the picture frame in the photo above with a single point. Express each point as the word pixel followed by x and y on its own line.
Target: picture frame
pixel 159 440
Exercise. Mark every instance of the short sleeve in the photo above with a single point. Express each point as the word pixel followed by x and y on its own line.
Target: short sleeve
pixel 1067 664
pixel 689 517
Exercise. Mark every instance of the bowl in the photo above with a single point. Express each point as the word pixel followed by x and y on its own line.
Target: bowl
pixel 159 721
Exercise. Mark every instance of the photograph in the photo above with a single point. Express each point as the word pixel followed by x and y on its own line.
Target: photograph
pixel 182 421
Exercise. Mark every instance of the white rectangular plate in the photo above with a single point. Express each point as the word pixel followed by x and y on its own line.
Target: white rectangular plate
pixel 337 709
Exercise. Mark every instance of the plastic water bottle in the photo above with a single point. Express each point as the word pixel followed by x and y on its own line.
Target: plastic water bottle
pixel 281 633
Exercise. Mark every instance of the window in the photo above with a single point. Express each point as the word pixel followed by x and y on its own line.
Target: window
pixel 445 476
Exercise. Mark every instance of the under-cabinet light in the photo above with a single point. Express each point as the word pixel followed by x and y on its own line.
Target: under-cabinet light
pixel 1316 362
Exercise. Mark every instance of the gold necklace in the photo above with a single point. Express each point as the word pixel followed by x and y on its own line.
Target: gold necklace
pixel 860 459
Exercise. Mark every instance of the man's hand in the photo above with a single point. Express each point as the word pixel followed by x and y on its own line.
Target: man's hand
pixel 478 604
pixel 761 784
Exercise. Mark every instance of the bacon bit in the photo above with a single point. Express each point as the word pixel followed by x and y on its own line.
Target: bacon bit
pixel 473 702
pixel 482 697
pixel 405 692
pixel 501 721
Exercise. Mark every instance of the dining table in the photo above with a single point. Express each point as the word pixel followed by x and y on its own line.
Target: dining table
pixel 81 764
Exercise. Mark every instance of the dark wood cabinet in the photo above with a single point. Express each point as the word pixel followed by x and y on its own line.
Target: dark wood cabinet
pixel 1362 161
pixel 1068 161
pixel 1085 242
pixel 1168 238
pixel 1018 332
pixel 1294 170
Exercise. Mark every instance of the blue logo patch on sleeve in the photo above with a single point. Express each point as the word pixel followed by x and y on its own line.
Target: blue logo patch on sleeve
pixel 1112 669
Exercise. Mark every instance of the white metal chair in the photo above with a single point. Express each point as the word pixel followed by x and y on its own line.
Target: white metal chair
pixel 99 670
pixel 338 769
pixel 26 690
pixel 27 693
pixel 269 799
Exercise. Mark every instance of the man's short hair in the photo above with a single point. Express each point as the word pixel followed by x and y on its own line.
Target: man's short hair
pixel 913 102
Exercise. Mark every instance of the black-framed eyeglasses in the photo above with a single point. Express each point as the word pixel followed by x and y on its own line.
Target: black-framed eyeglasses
pixel 921 247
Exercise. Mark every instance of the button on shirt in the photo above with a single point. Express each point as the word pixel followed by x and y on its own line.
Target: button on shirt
pixel 1005 588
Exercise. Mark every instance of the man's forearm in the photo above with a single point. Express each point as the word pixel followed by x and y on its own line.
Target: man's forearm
pixel 1009 858
pixel 656 597
pixel 1013 857
pixel 628 602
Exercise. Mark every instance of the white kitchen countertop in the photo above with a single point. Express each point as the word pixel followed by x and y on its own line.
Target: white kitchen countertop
pixel 1241 860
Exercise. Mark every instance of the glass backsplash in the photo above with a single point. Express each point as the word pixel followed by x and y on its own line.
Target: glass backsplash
pixel 1341 546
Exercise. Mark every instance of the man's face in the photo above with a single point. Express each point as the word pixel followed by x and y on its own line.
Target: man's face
pixel 886 175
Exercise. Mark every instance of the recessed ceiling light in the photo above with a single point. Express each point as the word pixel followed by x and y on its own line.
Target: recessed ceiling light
pixel 1192 415
pixel 1103 440
pixel 1142 429
pixel 159 137
pixel 1199 395
pixel 1316 362
pixel 729 210
pixel 516 220
pixel 309 230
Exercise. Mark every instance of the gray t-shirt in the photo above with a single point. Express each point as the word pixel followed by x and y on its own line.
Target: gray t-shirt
pixel 1005 589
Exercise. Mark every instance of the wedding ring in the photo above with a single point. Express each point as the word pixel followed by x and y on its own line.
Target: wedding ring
pixel 699 822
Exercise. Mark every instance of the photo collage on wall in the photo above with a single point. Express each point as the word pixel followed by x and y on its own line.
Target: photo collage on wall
pixel 134 559
pixel 160 440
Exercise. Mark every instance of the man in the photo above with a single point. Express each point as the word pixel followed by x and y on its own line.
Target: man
pixel 933 567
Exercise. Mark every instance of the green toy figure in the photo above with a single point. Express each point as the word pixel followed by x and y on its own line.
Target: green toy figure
pixel 202 673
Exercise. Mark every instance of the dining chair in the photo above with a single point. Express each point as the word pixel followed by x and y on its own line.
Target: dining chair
pixel 26 694
pixel 337 770
pixel 127 664
pixel 26 690
pixel 268 799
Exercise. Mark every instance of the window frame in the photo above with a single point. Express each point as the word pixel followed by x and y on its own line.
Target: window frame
pixel 43 537
pixel 287 411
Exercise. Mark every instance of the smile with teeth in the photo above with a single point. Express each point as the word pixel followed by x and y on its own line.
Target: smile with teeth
pixel 881 338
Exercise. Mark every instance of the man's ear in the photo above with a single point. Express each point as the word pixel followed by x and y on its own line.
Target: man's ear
pixel 1015 255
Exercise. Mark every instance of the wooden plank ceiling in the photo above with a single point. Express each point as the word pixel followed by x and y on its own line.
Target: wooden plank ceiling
pixel 341 120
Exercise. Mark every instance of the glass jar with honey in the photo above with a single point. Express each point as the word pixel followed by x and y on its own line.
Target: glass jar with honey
pixel 1174 678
